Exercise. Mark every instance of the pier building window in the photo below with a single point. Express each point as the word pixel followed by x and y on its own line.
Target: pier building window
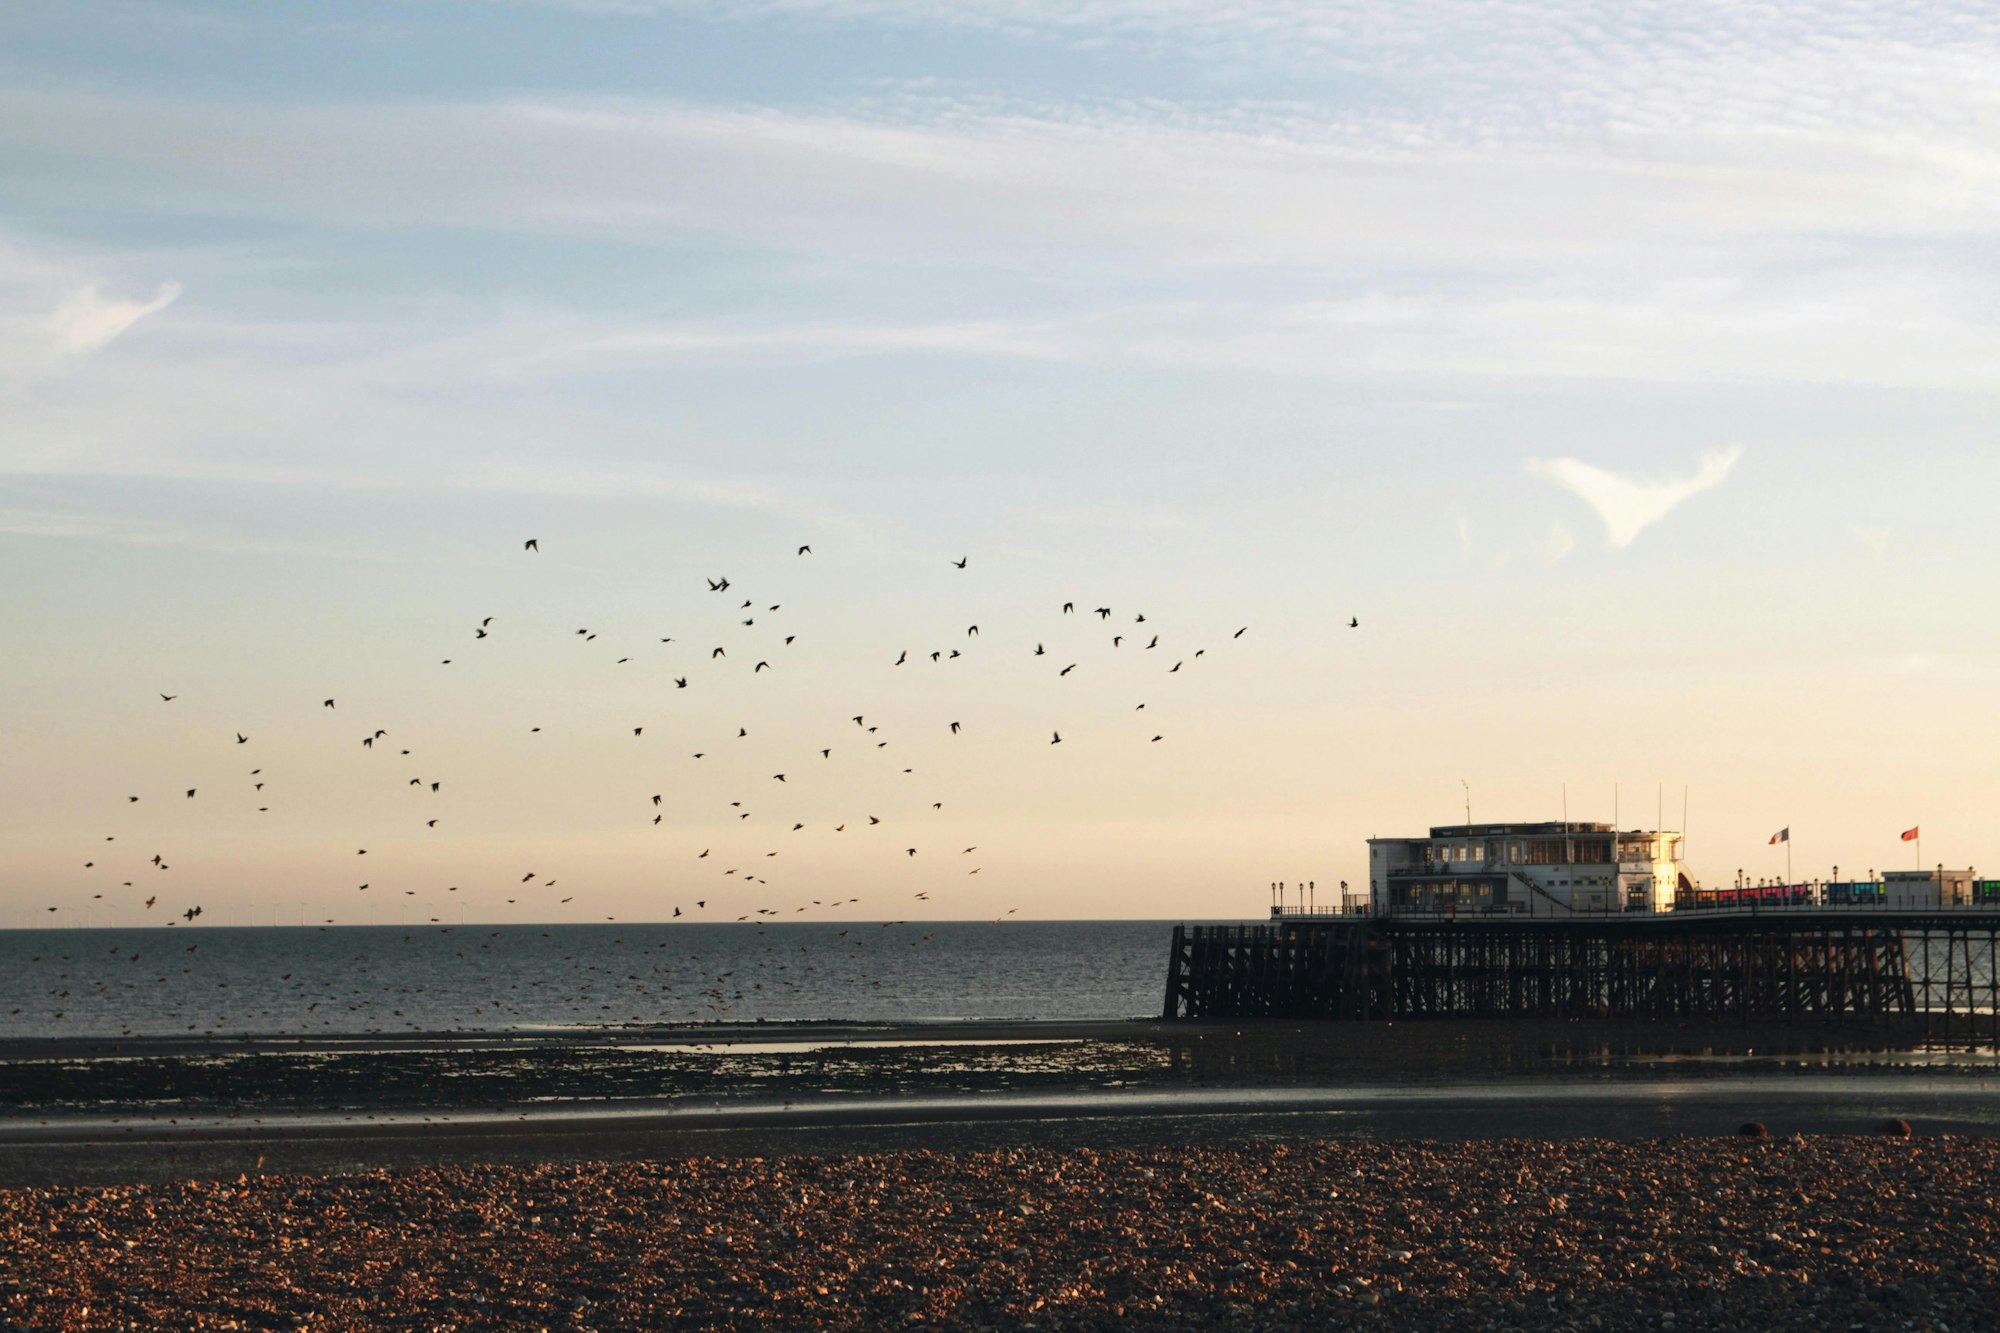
pixel 1543 851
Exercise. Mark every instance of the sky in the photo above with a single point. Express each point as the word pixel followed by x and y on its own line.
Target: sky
pixel 1627 372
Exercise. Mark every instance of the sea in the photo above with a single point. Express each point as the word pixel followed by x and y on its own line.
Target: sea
pixel 328 980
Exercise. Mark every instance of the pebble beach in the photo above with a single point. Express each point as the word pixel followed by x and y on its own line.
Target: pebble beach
pixel 1688 1233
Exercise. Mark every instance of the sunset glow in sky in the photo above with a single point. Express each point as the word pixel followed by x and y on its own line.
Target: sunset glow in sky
pixel 1628 371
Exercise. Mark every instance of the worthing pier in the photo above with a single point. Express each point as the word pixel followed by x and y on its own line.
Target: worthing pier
pixel 1573 921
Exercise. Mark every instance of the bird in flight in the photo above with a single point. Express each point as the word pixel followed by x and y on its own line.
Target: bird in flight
pixel 532 545
pixel 960 562
pixel 169 698
pixel 954 728
pixel 241 739
pixel 1066 670
pixel 805 550
pixel 1039 650
pixel 1239 633
pixel 902 657
pixel 1057 740
pixel 1069 608
pixel 327 703
pixel 717 585
pixel 1355 623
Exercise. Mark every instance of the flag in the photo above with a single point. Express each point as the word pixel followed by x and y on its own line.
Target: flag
pixel 1911 835
pixel 1782 835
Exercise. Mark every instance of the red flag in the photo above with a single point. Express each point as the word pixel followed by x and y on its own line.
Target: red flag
pixel 1911 836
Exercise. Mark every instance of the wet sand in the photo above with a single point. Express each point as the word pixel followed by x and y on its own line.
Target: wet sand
pixel 1684 1233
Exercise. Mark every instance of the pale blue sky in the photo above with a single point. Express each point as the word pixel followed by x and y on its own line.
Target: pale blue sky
pixel 1253 314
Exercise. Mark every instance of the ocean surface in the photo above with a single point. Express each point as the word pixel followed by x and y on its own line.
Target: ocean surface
pixel 296 980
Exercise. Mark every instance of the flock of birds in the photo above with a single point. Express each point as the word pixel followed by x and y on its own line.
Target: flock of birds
pixel 737 865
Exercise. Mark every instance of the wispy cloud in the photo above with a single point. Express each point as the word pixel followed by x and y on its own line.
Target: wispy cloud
pixel 1628 505
pixel 86 321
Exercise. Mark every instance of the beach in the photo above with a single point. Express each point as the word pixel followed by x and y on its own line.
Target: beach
pixel 1685 1233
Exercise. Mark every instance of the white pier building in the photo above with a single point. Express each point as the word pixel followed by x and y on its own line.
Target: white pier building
pixel 1531 869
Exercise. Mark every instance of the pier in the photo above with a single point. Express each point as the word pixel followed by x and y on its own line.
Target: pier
pixel 1938 968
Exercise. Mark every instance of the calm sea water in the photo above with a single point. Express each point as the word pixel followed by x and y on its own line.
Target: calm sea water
pixel 389 979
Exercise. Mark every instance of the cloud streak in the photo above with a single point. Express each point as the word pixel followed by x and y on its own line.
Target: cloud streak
pixel 86 322
pixel 1629 505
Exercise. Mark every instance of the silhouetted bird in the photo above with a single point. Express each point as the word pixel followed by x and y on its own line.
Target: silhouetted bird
pixel 954 728
pixel 1057 740
pixel 1066 670
pixel 169 698
pixel 532 545
pixel 1239 633
pixel 1354 623
pixel 805 550
pixel 960 562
